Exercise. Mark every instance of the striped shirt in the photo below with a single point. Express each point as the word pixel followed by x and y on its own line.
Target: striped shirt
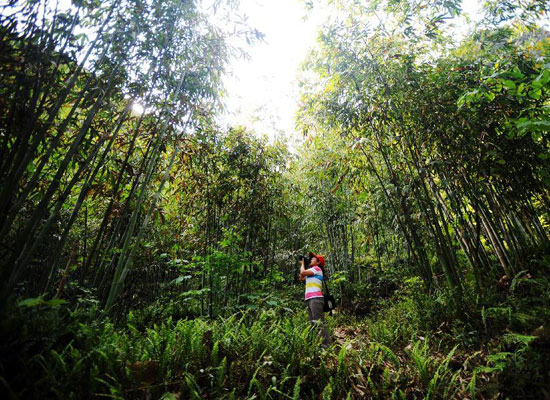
pixel 314 283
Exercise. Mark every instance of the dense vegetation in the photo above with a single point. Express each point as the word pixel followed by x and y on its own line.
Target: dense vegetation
pixel 147 252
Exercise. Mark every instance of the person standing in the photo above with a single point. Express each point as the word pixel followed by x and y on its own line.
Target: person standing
pixel 313 277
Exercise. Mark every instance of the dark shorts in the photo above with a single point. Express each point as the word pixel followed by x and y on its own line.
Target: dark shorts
pixel 315 308
pixel 315 312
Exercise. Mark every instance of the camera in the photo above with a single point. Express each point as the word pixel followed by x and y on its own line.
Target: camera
pixel 307 260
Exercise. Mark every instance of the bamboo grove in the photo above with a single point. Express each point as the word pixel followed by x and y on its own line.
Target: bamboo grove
pixel 438 162
pixel 450 151
pixel 148 251
pixel 77 159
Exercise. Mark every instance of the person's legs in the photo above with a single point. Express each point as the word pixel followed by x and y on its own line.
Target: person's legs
pixel 309 310
pixel 316 315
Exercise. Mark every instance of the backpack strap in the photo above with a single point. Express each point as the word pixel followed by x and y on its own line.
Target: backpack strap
pixel 327 294
pixel 326 286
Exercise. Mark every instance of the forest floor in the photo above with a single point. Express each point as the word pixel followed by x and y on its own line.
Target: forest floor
pixel 401 349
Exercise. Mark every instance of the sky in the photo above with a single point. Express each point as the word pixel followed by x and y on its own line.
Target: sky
pixel 262 93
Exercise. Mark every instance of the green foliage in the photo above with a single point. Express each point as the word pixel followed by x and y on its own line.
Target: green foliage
pixel 153 254
pixel 33 302
pixel 403 350
pixel 189 356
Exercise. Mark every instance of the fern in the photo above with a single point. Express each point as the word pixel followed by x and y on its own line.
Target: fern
pixel 511 338
pixel 296 391
pixel 193 386
pixel 254 382
pixel 214 357
pixel 498 362
pixel 472 385
pixel 222 369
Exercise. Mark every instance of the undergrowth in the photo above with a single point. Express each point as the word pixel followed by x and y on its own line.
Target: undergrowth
pixel 415 345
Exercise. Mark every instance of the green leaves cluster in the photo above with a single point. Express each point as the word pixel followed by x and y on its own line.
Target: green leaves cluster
pixel 437 143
